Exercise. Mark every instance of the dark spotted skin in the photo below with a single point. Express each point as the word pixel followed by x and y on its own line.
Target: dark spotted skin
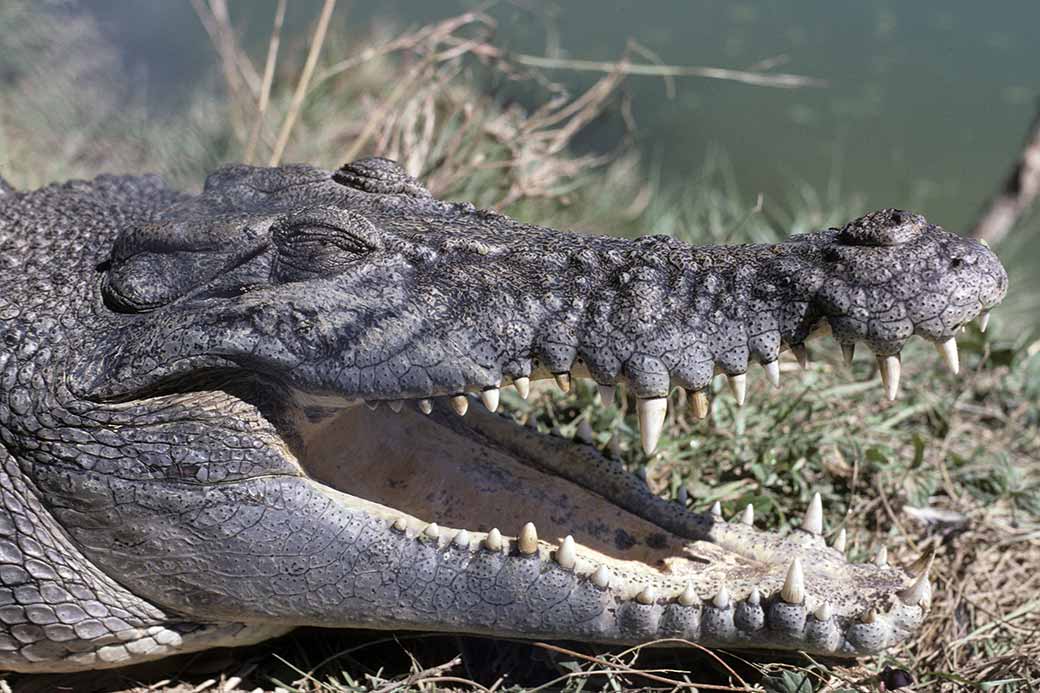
pixel 146 510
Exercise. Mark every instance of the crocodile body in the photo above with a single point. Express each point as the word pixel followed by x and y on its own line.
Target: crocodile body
pixel 187 460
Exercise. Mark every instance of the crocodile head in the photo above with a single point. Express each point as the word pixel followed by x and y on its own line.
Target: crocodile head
pixel 302 369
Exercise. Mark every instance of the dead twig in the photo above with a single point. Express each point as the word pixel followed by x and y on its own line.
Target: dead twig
pixel 1018 193
pixel 265 87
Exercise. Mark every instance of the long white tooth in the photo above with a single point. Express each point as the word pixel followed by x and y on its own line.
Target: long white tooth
pixel 460 403
pixel 601 578
pixel 948 351
pixel 493 540
pixel 922 564
pixel 721 600
pixel 983 320
pixel 794 586
pixel 870 616
pixel 699 404
pixel 566 555
pixel 651 421
pixel 748 517
pixel 490 398
pixel 839 541
pixel 802 354
pixel 401 524
pixel 773 372
pixel 395 405
pixel 606 394
pixel 687 597
pixel 848 352
pixel 433 531
pixel 647 596
pixel 527 542
pixel 738 385
pixel 716 509
pixel 881 558
pixel 824 612
pixel 462 539
pixel 425 406
pixel 563 380
pixel 813 521
pixel 372 404
pixel 523 386
pixel 920 592
pixel 584 433
pixel 755 598
pixel 683 496
pixel 890 369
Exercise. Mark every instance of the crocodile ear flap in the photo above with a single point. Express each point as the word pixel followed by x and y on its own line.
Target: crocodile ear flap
pixel 885 227
pixel 152 264
pixel 379 176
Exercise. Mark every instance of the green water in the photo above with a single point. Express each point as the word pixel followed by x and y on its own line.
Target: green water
pixel 926 103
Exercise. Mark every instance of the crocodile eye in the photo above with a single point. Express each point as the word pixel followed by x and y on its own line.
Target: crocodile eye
pixel 320 243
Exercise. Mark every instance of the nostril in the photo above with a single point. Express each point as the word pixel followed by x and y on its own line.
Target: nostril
pixel 956 262
pixel 897 217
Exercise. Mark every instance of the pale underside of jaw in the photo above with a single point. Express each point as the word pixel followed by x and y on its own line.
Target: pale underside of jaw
pixel 434 477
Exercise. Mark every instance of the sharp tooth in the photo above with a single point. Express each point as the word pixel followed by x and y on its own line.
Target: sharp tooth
pixel 490 398
pixel 395 405
pixel 881 558
pixel 716 509
pixel 920 592
pixel 523 386
pixel 563 380
pixel 687 597
pixel 984 242
pixel 823 612
pixel 647 596
pixel 794 586
pixel 651 421
pixel 773 372
pixel 601 578
pixel 425 406
pixel 373 405
pixel 401 524
pixel 983 320
pixel 839 541
pixel 462 539
pixel 460 403
pixel 683 497
pixel 755 598
pixel 802 354
pixel 748 517
pixel 528 539
pixel 566 555
pixel 433 531
pixel 869 617
pixel 738 385
pixel 848 352
pixel 721 600
pixel 948 351
pixel 699 403
pixel 584 433
pixel 890 368
pixel 493 540
pixel 606 395
pixel 813 521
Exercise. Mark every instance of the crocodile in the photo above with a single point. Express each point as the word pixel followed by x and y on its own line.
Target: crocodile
pixel 273 403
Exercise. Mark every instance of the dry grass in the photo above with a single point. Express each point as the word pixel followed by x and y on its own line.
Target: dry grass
pixel 954 465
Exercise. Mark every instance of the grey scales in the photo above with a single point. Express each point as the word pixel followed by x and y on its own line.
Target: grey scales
pixel 188 460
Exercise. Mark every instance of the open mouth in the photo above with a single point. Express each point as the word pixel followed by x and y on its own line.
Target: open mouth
pixel 480 484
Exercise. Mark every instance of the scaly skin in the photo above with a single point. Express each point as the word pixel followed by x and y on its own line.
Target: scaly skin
pixel 185 462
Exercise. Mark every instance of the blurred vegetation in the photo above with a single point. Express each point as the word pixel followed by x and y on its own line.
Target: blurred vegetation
pixel 953 465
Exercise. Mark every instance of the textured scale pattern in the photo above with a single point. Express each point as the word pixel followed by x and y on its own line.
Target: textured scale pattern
pixel 152 344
